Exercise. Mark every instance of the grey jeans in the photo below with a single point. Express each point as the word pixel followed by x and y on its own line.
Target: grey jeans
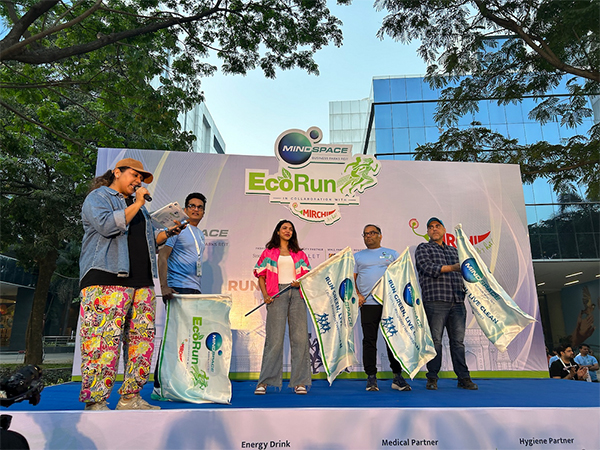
pixel 290 306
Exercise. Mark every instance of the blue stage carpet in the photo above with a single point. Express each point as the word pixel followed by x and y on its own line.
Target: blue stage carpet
pixel 492 393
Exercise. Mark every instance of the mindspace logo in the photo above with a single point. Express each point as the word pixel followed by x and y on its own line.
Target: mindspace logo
pixel 314 179
pixel 297 148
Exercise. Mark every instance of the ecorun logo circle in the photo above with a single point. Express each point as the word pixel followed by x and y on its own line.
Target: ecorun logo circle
pixel 294 148
pixel 346 290
pixel 409 296
pixel 214 341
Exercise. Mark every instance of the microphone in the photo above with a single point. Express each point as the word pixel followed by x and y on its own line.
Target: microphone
pixel 146 196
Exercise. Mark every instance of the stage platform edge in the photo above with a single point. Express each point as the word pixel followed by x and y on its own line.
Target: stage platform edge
pixel 313 428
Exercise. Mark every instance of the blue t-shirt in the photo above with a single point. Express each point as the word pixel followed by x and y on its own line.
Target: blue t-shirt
pixel 551 360
pixel 587 360
pixel 184 258
pixel 370 265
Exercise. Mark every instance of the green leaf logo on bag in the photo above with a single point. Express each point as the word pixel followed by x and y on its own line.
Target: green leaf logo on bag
pixel 200 377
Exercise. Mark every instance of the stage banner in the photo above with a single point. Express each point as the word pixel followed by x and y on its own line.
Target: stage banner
pixel 196 350
pixel 499 317
pixel 330 194
pixel 329 290
pixel 403 321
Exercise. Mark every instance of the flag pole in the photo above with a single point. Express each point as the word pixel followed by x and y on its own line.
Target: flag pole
pixel 264 303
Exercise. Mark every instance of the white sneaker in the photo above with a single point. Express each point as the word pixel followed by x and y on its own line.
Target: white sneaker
pixel 135 402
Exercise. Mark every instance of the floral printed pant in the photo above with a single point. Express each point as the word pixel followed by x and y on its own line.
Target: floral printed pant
pixel 109 315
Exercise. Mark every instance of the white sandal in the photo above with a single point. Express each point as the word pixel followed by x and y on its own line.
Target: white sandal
pixel 300 390
pixel 261 389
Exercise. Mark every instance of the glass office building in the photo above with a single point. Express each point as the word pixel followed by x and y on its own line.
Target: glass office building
pixel 564 230
pixel 199 122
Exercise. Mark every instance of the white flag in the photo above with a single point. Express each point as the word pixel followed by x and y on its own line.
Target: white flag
pixel 329 293
pixel 403 321
pixel 499 317
pixel 195 354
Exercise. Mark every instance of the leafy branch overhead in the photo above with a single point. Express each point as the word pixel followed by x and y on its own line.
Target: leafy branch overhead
pixel 143 60
pixel 506 51
pixel 77 75
pixel 244 34
pixel 573 162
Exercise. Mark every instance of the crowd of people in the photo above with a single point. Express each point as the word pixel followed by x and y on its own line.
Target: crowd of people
pixel 118 266
pixel 565 365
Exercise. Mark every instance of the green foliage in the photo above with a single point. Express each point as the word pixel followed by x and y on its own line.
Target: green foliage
pixel 574 161
pixel 75 76
pixel 508 50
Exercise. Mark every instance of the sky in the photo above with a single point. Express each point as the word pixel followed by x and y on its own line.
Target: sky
pixel 252 111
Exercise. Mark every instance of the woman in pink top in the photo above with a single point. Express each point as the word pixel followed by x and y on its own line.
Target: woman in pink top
pixel 279 265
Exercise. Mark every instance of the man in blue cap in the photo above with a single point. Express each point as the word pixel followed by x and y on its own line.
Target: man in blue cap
pixel 444 301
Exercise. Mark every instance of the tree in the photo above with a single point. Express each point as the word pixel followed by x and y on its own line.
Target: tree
pixel 507 50
pixel 80 75
pixel 572 162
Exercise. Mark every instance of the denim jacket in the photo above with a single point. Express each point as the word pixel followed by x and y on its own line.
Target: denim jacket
pixel 104 246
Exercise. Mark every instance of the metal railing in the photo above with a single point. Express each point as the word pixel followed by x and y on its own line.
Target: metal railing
pixel 55 341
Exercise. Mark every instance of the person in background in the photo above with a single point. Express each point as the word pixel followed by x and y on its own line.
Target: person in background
pixel 585 359
pixel 281 264
pixel 564 367
pixel 554 356
pixel 117 267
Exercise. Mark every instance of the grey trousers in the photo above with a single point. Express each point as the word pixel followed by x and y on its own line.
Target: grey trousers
pixel 289 307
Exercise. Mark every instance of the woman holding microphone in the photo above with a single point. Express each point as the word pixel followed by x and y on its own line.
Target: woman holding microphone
pixel 117 267
pixel 279 265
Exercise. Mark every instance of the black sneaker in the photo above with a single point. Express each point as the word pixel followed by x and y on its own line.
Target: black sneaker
pixel 431 384
pixel 400 383
pixel 372 383
pixel 466 383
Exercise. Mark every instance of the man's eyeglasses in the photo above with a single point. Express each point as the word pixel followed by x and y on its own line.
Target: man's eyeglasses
pixel 197 207
pixel 370 233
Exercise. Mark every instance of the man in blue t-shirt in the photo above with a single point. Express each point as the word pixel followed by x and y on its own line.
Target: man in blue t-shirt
pixel 179 261
pixel 584 359
pixel 370 265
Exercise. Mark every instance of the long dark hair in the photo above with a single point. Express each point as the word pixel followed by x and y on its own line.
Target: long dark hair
pixel 105 179
pixel 275 242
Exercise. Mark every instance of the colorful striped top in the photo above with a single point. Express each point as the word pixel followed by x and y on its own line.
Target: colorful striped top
pixel 267 267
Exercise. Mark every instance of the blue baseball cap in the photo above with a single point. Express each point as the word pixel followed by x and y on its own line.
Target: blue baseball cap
pixel 435 219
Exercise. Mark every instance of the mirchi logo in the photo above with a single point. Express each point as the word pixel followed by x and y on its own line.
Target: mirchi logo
pixel 449 238
pixel 181 349
pixel 316 213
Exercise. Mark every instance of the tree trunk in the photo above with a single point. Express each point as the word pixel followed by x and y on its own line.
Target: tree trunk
pixel 35 328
